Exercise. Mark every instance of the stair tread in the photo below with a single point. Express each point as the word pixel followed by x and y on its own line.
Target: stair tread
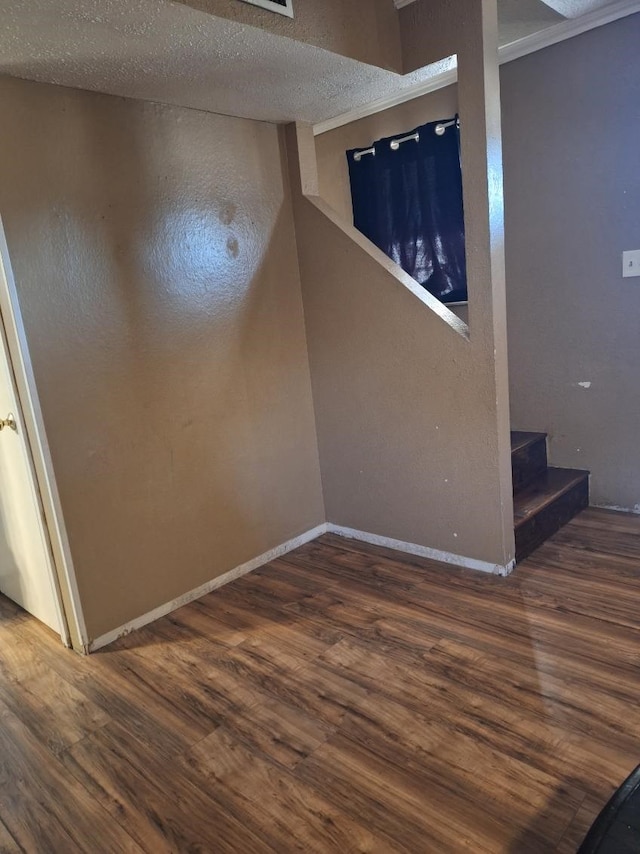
pixel 521 439
pixel 550 485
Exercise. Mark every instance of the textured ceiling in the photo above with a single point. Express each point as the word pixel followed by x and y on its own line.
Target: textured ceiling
pixel 519 18
pixel 162 51
pixel 575 8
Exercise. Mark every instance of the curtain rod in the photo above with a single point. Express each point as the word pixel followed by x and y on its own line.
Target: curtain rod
pixel 395 144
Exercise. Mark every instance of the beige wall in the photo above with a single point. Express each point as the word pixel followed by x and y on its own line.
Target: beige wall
pixel 152 250
pixel 404 405
pixel 412 417
pixel 572 195
pixel 366 30
pixel 572 179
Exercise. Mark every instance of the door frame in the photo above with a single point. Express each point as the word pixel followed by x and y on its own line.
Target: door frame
pixel 73 630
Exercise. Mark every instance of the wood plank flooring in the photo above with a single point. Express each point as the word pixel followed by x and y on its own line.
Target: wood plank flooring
pixel 344 698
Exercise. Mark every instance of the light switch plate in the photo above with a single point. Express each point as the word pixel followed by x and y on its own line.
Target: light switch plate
pixel 631 263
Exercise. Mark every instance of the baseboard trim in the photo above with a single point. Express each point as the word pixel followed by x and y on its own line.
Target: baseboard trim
pixel 207 587
pixel 290 545
pixel 422 551
pixel 618 509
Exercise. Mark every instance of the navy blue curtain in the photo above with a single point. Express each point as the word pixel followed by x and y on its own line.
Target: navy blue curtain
pixel 408 201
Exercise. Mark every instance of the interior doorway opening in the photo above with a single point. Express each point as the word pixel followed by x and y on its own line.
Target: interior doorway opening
pixel 36 571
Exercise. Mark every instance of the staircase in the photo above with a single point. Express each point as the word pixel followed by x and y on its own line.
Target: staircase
pixel 544 498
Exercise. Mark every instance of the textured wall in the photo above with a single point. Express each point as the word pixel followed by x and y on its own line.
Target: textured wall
pixel 405 408
pixel 572 180
pixel 152 249
pixel 412 417
pixel 572 195
pixel 366 30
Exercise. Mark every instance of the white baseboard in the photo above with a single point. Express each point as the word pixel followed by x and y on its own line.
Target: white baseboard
pixel 635 509
pixel 421 551
pixel 205 588
pixel 290 545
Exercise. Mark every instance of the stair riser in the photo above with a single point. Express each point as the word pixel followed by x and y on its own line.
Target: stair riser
pixel 528 463
pixel 544 524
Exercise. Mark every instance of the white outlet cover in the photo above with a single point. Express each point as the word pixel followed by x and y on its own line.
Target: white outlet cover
pixel 631 263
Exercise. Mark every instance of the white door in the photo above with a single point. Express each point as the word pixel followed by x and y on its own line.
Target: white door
pixel 26 567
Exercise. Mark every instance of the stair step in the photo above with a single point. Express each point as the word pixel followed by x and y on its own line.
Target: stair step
pixel 550 485
pixel 528 458
pixel 546 504
pixel 521 438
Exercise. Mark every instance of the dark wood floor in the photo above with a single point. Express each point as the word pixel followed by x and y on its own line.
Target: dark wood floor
pixel 343 698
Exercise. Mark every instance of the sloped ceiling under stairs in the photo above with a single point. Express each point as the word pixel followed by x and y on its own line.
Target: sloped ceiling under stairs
pixel 169 52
